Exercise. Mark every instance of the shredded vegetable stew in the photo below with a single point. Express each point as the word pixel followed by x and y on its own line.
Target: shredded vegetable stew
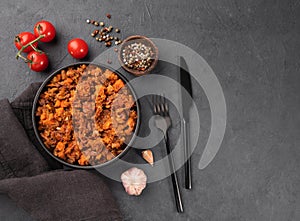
pixel 86 115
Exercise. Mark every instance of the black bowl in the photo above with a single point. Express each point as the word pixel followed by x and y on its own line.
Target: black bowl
pixel 34 118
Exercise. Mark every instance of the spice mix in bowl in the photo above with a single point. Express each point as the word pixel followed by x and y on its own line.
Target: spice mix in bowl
pixel 138 55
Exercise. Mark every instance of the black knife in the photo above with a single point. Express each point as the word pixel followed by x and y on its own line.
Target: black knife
pixel 186 101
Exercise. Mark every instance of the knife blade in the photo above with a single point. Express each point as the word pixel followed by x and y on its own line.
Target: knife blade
pixel 186 101
pixel 185 81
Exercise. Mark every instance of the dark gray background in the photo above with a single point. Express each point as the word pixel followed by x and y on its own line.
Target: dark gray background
pixel 254 49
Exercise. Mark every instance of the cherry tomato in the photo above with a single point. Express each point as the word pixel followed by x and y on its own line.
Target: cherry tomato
pixel 44 28
pixel 37 61
pixel 78 48
pixel 24 38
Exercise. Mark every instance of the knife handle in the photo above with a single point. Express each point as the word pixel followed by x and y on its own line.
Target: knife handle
pixel 187 156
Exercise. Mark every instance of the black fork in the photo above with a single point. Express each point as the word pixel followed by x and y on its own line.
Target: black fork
pixel 163 122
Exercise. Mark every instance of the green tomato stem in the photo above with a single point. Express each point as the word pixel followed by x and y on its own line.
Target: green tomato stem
pixel 29 44
pixel 34 48
pixel 25 59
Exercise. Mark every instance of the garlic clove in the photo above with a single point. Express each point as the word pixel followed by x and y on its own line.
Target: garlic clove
pixel 148 156
pixel 134 181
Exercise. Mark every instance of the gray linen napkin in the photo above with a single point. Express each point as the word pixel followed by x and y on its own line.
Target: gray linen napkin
pixel 27 182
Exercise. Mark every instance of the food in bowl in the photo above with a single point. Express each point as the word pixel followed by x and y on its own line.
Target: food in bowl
pixel 86 115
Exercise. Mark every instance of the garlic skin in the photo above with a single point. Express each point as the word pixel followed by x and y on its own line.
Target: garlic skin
pixel 148 156
pixel 134 181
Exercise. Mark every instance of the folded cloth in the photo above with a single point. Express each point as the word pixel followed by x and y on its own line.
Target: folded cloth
pixel 18 157
pixel 63 195
pixel 26 180
pixel 9 210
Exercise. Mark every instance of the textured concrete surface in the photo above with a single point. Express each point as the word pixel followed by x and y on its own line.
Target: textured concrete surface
pixel 254 49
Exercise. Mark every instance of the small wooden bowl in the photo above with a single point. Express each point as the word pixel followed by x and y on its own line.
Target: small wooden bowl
pixel 147 42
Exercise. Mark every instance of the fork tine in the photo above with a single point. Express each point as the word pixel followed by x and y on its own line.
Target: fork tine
pixel 161 108
pixel 154 103
pixel 158 104
pixel 163 104
pixel 166 107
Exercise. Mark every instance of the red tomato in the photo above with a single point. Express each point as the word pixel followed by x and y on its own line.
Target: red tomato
pixel 24 38
pixel 44 28
pixel 37 61
pixel 78 48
